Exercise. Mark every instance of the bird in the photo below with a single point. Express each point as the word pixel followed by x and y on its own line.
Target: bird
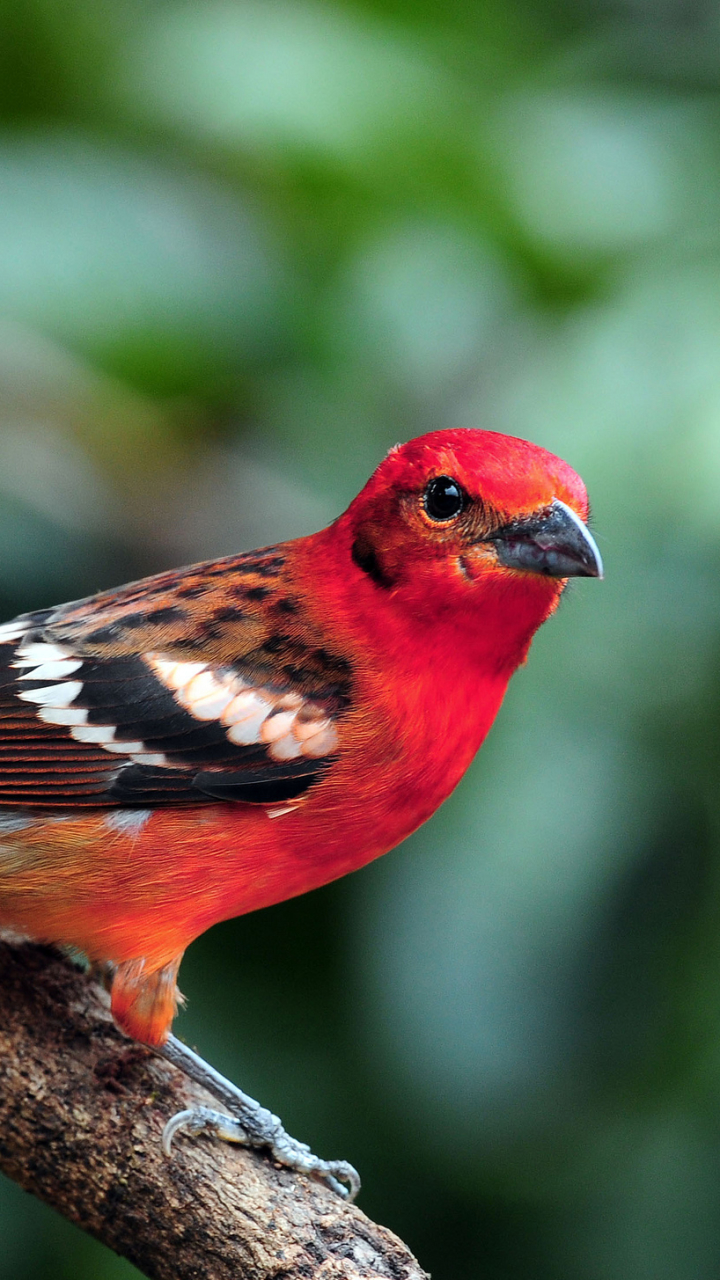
pixel 218 738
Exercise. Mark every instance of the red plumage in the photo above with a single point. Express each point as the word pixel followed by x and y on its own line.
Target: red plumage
pixel 210 741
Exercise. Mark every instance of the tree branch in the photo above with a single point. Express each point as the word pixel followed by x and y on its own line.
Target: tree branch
pixel 81 1113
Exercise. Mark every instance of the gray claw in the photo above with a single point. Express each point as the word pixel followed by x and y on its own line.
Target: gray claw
pixel 286 1150
pixel 251 1126
pixel 198 1119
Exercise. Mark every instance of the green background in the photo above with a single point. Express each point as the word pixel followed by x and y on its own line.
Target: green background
pixel 246 247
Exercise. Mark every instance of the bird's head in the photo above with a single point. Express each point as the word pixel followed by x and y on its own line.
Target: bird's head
pixel 464 520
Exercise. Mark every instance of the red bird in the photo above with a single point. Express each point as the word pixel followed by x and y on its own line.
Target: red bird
pixel 215 739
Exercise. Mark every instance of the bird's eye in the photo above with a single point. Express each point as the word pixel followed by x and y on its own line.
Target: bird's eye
pixel 444 498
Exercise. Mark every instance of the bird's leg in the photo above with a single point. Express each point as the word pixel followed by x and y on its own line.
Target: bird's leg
pixel 144 1002
pixel 248 1123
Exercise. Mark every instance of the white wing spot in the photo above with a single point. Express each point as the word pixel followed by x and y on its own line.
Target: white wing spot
pixel 277 726
pixel 304 729
pixel 63 715
pixel 51 670
pixel 125 748
pixel 245 732
pixel 32 654
pixel 53 695
pixel 286 748
pixel 212 707
pixel 321 743
pixel 288 725
pixel 198 686
pixel 13 631
pixel 244 706
pixel 100 733
pixel 179 674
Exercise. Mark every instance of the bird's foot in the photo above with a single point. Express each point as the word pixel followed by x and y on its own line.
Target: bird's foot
pixel 248 1123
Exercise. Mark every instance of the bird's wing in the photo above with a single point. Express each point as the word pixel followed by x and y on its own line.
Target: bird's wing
pixel 202 684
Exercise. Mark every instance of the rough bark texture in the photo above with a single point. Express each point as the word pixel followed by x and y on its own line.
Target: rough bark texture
pixel 81 1114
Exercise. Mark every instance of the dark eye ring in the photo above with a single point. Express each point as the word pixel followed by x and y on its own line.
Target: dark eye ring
pixel 444 498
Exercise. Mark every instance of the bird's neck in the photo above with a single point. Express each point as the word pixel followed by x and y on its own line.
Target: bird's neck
pixel 463 634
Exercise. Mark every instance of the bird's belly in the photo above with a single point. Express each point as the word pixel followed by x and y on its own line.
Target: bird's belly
pixel 120 885
pixel 148 890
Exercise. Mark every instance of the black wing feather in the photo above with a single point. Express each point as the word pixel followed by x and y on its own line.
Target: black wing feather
pixel 42 765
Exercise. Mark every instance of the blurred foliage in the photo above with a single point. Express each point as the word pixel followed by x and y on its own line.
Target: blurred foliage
pixel 245 245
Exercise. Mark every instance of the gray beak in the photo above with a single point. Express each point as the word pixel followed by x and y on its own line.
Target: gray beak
pixel 555 544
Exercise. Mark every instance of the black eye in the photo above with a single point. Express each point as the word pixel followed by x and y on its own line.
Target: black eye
pixel 444 498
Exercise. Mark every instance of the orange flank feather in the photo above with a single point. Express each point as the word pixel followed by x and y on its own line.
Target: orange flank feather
pixel 213 740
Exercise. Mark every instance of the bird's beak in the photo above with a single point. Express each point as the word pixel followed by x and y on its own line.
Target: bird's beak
pixel 554 543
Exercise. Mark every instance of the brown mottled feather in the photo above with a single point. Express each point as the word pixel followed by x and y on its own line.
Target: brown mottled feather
pixel 237 617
